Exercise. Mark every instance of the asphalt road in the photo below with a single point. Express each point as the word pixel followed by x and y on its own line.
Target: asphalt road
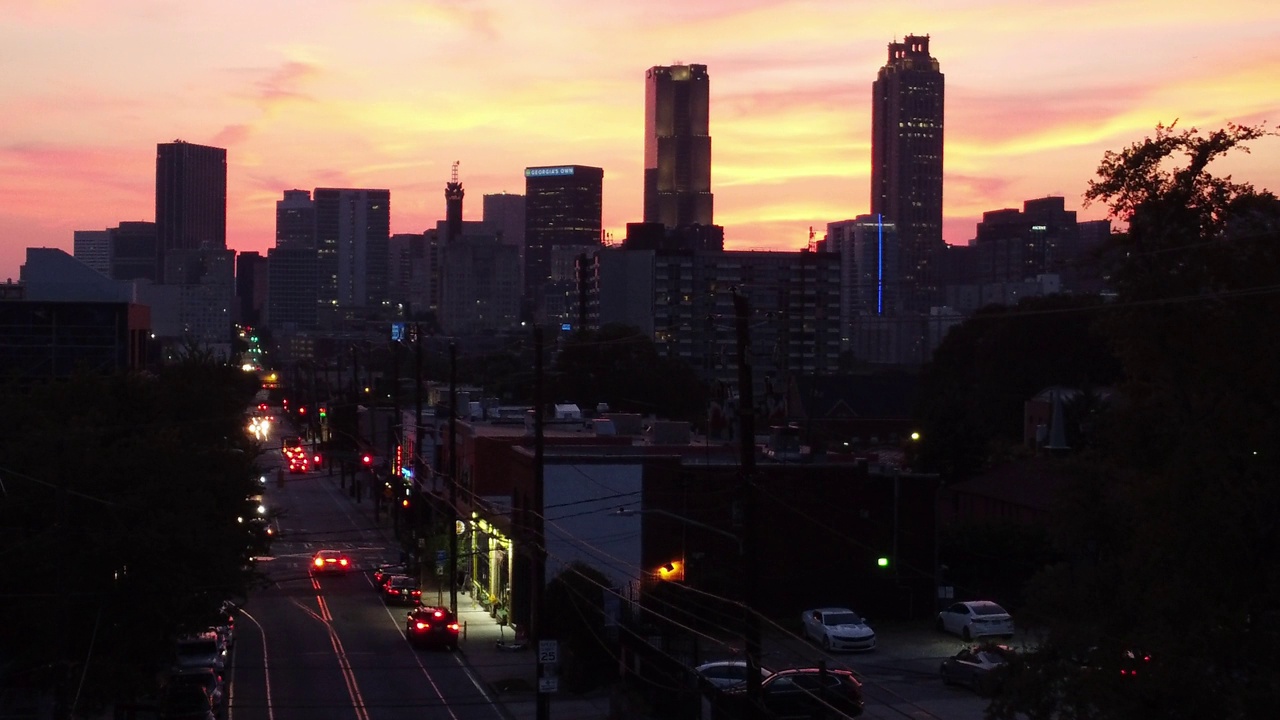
pixel 326 647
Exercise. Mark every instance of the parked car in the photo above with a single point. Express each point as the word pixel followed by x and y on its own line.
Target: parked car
pixel 982 668
pixel 384 572
pixel 204 650
pixel 432 626
pixel 725 674
pixel 401 590
pixel 837 628
pixel 330 561
pixel 806 693
pixel 186 702
pixel 207 678
pixel 976 618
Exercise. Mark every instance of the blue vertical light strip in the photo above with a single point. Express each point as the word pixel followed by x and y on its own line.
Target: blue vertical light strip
pixel 879 264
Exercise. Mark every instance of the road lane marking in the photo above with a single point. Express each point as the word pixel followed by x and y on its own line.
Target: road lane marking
pixel 266 670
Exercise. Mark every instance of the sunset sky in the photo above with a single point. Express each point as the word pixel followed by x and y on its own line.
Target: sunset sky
pixel 389 93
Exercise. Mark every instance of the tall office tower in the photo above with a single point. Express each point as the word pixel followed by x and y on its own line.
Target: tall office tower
pixel 251 288
pixel 563 219
pixel 191 198
pixel 906 162
pixel 292 275
pixel 134 246
pixel 1013 245
pixel 352 228
pixel 677 146
pixel 453 193
pixel 296 220
pixel 93 248
pixel 869 299
pixel 504 217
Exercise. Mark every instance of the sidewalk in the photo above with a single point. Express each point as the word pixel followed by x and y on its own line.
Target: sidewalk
pixel 508 676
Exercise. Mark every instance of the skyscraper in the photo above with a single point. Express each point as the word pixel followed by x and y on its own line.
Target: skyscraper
pixel 677 146
pixel 906 162
pixel 563 219
pixel 352 229
pixel 191 198
pixel 296 220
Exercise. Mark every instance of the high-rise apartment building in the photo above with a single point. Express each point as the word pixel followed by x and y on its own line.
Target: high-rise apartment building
pixel 563 220
pixel 906 162
pixel 677 146
pixel 352 229
pixel 191 198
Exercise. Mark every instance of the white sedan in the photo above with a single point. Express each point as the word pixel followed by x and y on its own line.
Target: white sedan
pixel 838 629
pixel 727 673
pixel 976 618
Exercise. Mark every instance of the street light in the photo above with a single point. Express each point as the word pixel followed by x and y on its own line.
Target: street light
pixel 751 629
pixel 632 512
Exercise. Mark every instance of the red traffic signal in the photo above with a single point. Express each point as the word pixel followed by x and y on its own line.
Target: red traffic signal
pixel 366 459
pixel 404 502
pixel 302 410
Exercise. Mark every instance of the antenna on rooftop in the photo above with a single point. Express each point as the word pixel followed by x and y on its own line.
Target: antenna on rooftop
pixel 454 176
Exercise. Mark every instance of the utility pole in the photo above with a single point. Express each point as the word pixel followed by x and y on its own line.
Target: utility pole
pixel 397 438
pixel 750 570
pixel 453 478
pixel 415 511
pixel 542 708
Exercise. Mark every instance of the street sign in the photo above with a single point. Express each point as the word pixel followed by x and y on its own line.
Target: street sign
pixel 548 652
pixel 549 684
pixel 441 558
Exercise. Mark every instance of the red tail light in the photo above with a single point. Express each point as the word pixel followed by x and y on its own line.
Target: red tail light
pixel 422 626
pixel 343 562
pixel 437 614
pixel 319 562
pixel 453 627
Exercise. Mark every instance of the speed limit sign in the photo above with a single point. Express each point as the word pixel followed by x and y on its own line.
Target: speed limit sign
pixel 548 652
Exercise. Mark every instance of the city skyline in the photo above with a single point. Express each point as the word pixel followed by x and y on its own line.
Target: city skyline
pixel 391 94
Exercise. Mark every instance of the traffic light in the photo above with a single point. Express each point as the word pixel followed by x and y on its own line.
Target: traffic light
pixel 322 411
pixel 302 410
pixel 405 503
pixel 366 459
pixel 882 561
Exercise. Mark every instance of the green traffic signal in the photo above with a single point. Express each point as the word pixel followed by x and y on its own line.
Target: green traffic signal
pixel 882 561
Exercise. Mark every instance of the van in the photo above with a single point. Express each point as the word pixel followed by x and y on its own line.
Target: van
pixel 204 649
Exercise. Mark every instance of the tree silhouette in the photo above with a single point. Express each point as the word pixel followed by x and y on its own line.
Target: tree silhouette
pixel 1170 530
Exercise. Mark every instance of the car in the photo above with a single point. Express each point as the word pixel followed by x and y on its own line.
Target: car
pixel 202 650
pixel 974 619
pixel 295 452
pixel 330 561
pixel 807 692
pixel 727 673
pixel 384 572
pixel 401 590
pixel 432 626
pixel 207 678
pixel 186 702
pixel 981 668
pixel 837 628
pixel 1127 663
